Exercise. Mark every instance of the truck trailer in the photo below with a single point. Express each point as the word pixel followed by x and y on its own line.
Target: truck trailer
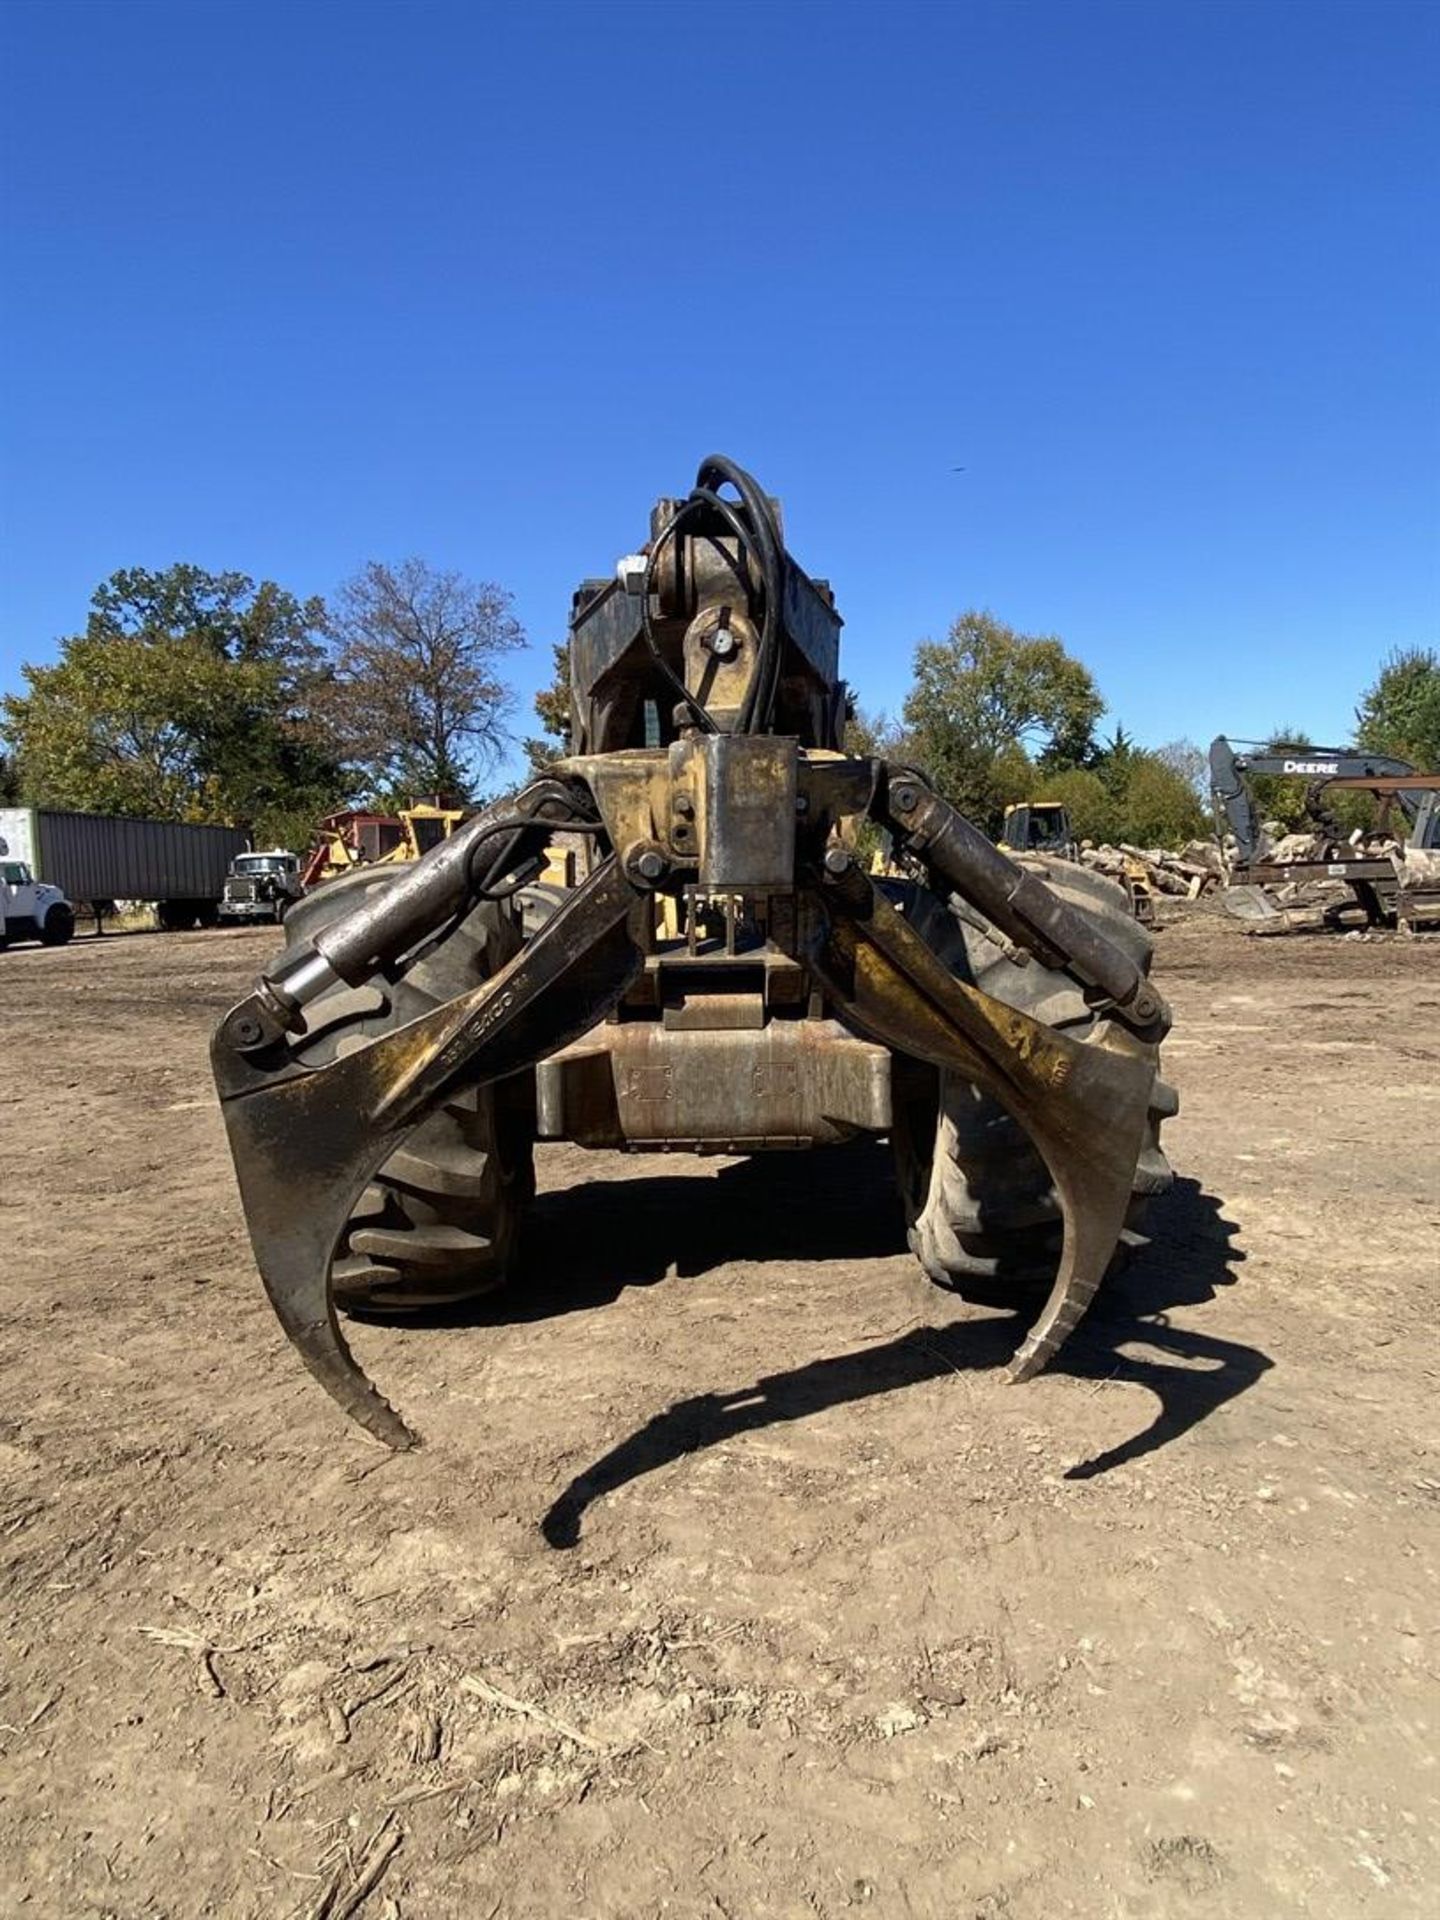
pixel 97 859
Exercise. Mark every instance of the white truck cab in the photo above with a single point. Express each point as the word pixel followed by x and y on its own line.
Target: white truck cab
pixel 32 910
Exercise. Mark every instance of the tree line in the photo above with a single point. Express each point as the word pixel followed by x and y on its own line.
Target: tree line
pixel 996 717
pixel 212 697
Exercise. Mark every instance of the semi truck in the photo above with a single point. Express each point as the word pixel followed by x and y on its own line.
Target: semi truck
pixel 261 886
pixel 93 860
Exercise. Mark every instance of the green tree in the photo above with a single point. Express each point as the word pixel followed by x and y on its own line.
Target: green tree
pixel 189 696
pixel 552 710
pixel 416 693
pixel 985 700
pixel 1281 797
pixel 1400 714
pixel 1092 807
pixel 1158 806
pixel 1114 760
pixel 872 736
pixel 1131 794
pixel 869 736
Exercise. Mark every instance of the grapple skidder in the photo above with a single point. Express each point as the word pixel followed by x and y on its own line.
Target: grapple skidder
pixel 722 976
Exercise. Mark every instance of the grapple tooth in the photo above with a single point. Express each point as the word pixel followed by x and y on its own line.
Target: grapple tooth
pixel 302 1171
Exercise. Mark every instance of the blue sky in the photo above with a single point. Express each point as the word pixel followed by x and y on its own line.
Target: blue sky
pixel 289 288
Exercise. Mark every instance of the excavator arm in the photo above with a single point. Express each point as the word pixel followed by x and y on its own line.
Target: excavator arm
pixel 1320 766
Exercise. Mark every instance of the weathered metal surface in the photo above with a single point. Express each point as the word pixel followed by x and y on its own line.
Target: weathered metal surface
pixel 383 927
pixel 1083 1105
pixel 616 693
pixel 306 1142
pixel 1019 902
pixel 746 812
pixel 726 979
pixel 785 1083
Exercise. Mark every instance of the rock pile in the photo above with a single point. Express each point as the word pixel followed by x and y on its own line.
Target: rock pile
pixel 1189 873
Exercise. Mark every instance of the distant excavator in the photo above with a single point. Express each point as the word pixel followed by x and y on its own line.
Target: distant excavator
pixel 1369 872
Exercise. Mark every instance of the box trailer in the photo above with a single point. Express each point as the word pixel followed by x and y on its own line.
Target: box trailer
pixel 96 858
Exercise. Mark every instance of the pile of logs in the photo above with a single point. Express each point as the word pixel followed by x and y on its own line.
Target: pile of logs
pixel 1189 873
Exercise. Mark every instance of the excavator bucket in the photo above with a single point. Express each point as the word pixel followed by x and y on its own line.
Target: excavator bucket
pixel 1249 903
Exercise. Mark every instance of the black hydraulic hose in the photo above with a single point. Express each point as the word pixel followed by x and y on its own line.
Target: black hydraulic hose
pixel 759 696
pixel 753 526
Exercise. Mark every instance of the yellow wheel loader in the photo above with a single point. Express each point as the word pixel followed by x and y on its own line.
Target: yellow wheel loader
pixel 1040 826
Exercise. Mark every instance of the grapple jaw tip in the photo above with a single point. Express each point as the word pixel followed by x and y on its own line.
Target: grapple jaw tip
pixel 299 1180
pixel 1084 1104
pixel 307 1141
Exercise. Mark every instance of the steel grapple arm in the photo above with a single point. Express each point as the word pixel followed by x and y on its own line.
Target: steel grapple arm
pixel 715 818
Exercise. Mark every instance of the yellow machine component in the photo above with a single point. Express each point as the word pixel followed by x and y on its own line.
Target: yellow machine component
pixel 560 869
pixel 1039 826
pixel 425 827
pixel 344 841
pixel 1142 894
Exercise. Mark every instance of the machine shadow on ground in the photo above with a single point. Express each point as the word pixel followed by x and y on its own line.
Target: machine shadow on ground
pixel 591 1242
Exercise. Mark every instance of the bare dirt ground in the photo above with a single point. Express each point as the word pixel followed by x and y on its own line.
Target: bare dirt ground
pixel 733 1579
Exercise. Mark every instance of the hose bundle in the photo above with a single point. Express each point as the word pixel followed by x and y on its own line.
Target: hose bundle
pixel 751 519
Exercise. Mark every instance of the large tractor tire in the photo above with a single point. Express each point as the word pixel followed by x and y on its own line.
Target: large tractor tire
pixel 440 1222
pixel 980 1207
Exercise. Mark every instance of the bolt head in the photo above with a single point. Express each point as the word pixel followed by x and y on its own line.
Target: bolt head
pixel 650 865
pixel 904 799
pixel 838 860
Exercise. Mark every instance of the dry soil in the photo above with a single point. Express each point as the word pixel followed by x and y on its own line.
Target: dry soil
pixel 733 1579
